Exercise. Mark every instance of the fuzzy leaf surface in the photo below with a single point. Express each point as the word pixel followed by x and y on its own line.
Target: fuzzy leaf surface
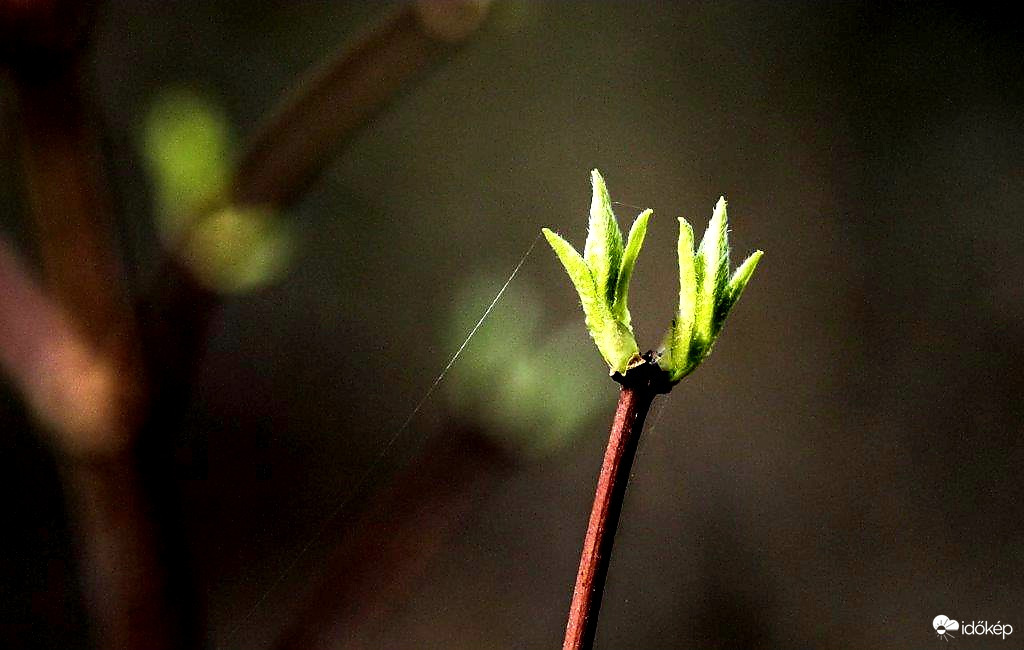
pixel 735 288
pixel 614 340
pixel 677 343
pixel 706 294
pixel 634 243
pixel 603 248
pixel 714 263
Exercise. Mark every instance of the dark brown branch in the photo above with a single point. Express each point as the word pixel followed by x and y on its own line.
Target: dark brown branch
pixel 65 192
pixel 71 392
pixel 94 329
pixel 123 577
pixel 299 137
pixel 38 37
pixel 392 543
pixel 95 400
pixel 284 155
pixel 640 386
pixel 342 95
pixel 48 360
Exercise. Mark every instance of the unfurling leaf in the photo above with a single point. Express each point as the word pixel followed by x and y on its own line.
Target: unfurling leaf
pixel 602 278
pixel 633 244
pixel 603 249
pixel 706 294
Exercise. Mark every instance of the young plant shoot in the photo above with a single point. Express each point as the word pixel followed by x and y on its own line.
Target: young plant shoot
pixel 601 275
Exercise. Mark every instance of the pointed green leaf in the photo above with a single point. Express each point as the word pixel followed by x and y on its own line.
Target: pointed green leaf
pixel 602 276
pixel 614 340
pixel 714 267
pixel 617 345
pixel 677 343
pixel 578 272
pixel 687 278
pixel 743 274
pixel 634 242
pixel 603 249
pixel 735 288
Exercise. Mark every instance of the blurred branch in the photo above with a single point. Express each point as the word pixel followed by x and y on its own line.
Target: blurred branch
pixel 39 36
pixel 373 570
pixel 93 389
pixel 296 140
pixel 68 386
pixel 343 94
pixel 124 580
pixel 80 335
pixel 65 194
pixel 284 155
pixel 301 135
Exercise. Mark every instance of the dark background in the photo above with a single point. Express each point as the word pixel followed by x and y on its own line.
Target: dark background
pixel 845 467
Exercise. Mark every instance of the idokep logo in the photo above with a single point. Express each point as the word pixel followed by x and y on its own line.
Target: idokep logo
pixel 945 626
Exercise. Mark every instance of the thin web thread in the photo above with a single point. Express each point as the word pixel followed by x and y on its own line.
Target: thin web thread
pixel 375 465
pixel 657 410
pixel 472 333
pixel 627 205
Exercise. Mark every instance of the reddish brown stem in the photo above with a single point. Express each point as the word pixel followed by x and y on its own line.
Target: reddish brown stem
pixel 91 396
pixel 634 402
pixel 65 191
pixel 122 575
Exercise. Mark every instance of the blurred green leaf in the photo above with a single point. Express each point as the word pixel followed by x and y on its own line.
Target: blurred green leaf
pixel 521 381
pixel 186 142
pixel 188 145
pixel 238 249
